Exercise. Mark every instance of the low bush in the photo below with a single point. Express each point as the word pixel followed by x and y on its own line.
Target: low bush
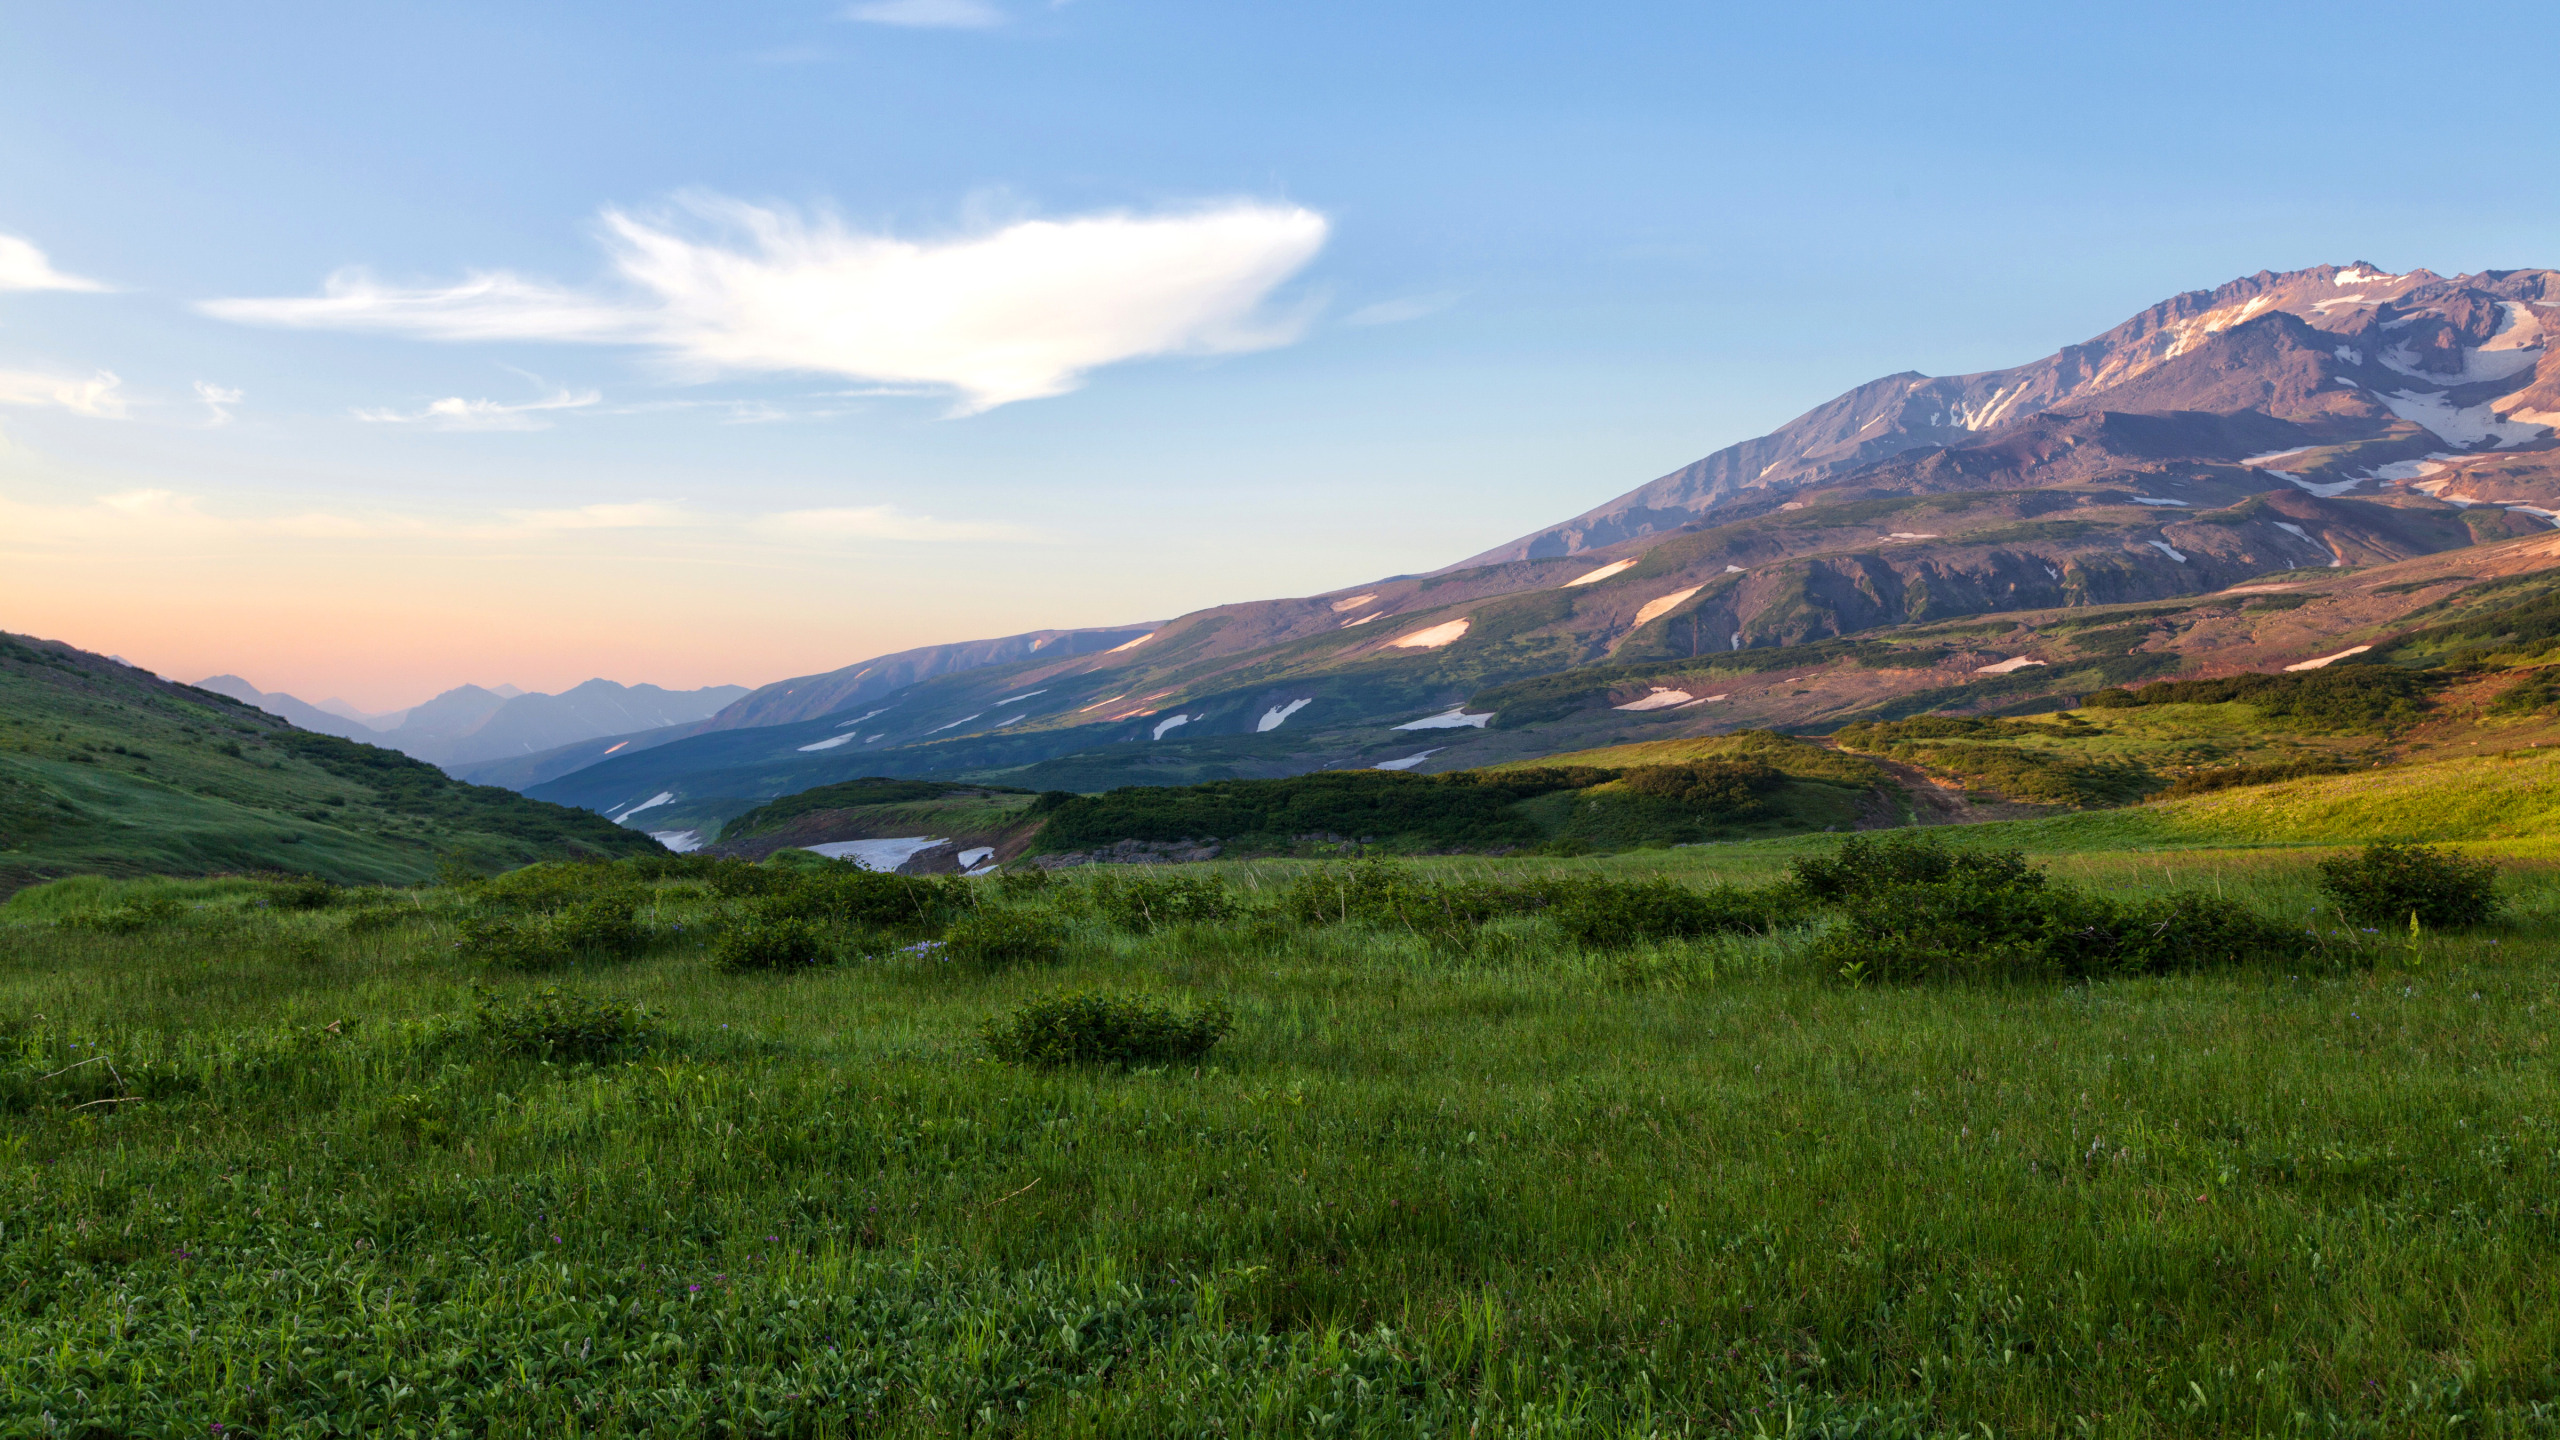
pixel 602 928
pixel 1729 786
pixel 2364 697
pixel 1975 925
pixel 738 880
pixel 2392 884
pixel 773 942
pixel 143 912
pixel 1098 1028
pixel 302 892
pixel 1007 937
pixel 850 895
pixel 555 1024
pixel 1615 914
pixel 1146 903
pixel 2228 777
pixel 1865 864
pixel 1393 896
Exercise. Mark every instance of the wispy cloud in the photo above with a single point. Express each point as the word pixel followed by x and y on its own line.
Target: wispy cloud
pixel 457 413
pixel 218 399
pixel 1402 308
pixel 23 267
pixel 96 396
pixel 636 515
pixel 885 522
pixel 1013 313
pixel 928 14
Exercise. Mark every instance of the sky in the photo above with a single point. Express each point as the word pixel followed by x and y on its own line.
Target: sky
pixel 364 351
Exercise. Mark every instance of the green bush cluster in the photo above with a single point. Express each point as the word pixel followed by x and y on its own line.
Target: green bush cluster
pixel 2229 777
pixel 601 927
pixel 303 892
pixel 1911 908
pixel 994 938
pixel 556 1024
pixel 2359 697
pixel 1467 809
pixel 2391 884
pixel 842 894
pixel 1730 786
pixel 1148 902
pixel 143 912
pixel 1103 1028
pixel 1591 911
pixel 773 942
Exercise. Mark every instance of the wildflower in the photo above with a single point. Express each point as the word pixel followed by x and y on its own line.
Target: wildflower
pixel 693 1287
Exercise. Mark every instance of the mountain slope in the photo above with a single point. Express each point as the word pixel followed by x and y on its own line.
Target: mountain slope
pixel 2407 333
pixel 107 769
pixel 2321 420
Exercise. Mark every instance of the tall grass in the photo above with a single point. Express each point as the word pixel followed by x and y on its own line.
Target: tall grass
pixel 1506 1188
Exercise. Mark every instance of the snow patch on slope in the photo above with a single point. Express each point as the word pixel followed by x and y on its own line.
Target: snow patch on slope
pixel 1432 638
pixel 830 742
pixel 1662 698
pixel 1278 715
pixel 1454 718
pixel 1604 572
pixel 1664 605
pixel 2328 660
pixel 1168 723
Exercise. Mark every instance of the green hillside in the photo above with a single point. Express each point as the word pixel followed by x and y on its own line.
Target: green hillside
pixel 105 769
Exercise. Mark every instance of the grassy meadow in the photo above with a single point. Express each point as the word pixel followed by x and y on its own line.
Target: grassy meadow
pixel 273 1170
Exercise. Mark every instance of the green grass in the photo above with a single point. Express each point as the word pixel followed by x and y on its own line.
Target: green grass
pixel 1511 1188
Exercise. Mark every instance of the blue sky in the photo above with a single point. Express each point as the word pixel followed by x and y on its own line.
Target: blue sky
pixel 699 344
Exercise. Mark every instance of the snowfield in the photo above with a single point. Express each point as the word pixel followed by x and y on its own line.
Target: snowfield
pixel 1454 718
pixel 878 854
pixel 1278 715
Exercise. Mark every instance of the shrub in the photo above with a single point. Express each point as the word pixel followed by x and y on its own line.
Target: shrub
pixel 1029 880
pixel 1096 1028
pixel 2389 884
pixel 552 1023
pixel 1380 892
pixel 1007 937
pixel 1615 914
pixel 1731 786
pixel 773 943
pixel 1152 902
pixel 302 892
pixel 143 912
pixel 2205 782
pixel 738 880
pixel 1864 865
pixel 603 928
pixel 553 885
pixel 849 895
pixel 1978 926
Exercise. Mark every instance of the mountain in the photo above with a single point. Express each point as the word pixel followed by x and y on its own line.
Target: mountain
pixel 107 769
pixel 285 707
pixel 1912 537
pixel 2355 349
pixel 468 725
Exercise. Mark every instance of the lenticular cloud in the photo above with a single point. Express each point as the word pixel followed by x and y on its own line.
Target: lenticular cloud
pixel 1009 314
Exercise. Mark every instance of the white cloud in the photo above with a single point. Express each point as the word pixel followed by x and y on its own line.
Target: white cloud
pixel 885 522
pixel 456 413
pixel 928 14
pixel 218 399
pixel 1013 313
pixel 1401 309
pixel 23 267
pixel 95 396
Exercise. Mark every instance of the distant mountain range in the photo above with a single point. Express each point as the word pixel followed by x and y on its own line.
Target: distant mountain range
pixel 2297 426
pixel 470 725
